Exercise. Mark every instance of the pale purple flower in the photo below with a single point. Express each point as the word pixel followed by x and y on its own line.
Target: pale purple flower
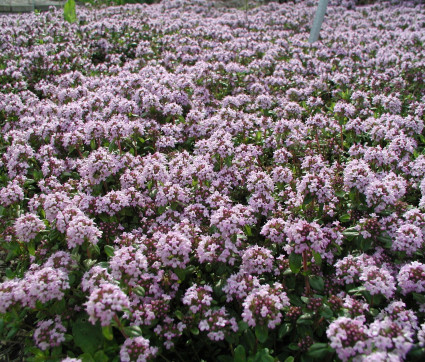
pixel 104 302
pixel 28 226
pixel 230 221
pixel 169 331
pixel 217 324
pixel 99 166
pixel 55 203
pixel 61 260
pixel 378 281
pixel 81 229
pixel 274 230
pixel 137 349
pixel 351 267
pixel 11 194
pixel 239 285
pixel 411 277
pixel 174 249
pixel 409 238
pixel 358 175
pixel 317 185
pixel 257 260
pixel 128 265
pixel 49 333
pixel 349 337
pixel 302 235
pixel 263 305
pixel 94 277
pixel 421 335
pixel 44 285
pixel 198 298
pixel 386 335
pixel 385 192
pixel 214 249
pixel 11 293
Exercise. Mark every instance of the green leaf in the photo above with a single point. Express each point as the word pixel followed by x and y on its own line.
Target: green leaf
pixel 109 250
pixel 326 312
pixel 290 359
pixel 9 273
pixel 69 12
pixel 295 262
pixel 293 347
pixel 86 357
pixel 308 198
pixel 31 248
pixel 350 233
pixel 194 331
pixel 140 291
pixel 240 354
pixel 250 339
pixel 284 329
pixel 248 231
pixel 112 146
pixel 386 240
pixel 317 282
pixel 179 314
pixel 86 335
pixel 365 244
pixel 319 350
pixel 416 354
pixel 295 300
pixel 103 264
pixel 340 193
pixel 263 355
pixel 100 356
pixel 232 338
pixel 174 205
pixel 133 331
pixel 107 333
pixel 345 218
pixel 419 298
pixel 306 300
pixel 12 332
pixel 242 326
pixel 258 136
pixel 224 358
pixel 59 306
pixel 228 161
pixel 181 273
pixel 162 209
pixel 305 320
pixel 357 290
pixel 261 332
pixel 373 312
pixel 317 258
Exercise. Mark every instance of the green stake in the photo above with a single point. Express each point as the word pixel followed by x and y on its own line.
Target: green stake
pixel 318 20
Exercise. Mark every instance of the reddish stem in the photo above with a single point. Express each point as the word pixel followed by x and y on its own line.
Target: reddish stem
pixel 119 325
pixel 305 266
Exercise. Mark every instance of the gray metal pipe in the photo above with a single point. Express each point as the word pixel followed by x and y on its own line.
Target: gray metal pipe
pixel 318 20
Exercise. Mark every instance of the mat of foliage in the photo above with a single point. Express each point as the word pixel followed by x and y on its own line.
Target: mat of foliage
pixel 182 183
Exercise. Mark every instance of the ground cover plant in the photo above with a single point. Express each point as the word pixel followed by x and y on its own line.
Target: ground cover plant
pixel 186 183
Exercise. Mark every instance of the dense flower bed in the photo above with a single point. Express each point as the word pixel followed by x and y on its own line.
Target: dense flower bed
pixel 185 183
